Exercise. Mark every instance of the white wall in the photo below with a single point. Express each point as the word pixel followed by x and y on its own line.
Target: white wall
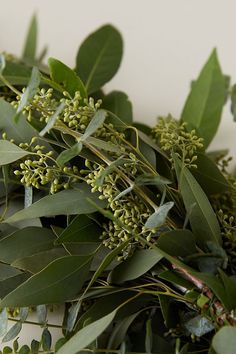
pixel 166 44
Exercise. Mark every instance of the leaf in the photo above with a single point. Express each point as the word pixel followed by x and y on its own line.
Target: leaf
pixel 202 218
pixel 233 102
pixel 7 271
pixel 123 193
pixel 81 229
pixel 29 92
pixel 230 285
pixel 225 339
pixel 2 63
pixel 209 176
pixel 140 263
pixel 99 57
pixel 24 350
pixel 52 119
pixel 67 202
pixel 16 74
pixel 20 131
pixel 25 242
pixel 199 326
pixel 96 122
pixel 66 155
pixel 118 103
pixel 41 311
pixel 46 340
pixel 28 198
pixel 158 218
pixel 87 335
pixel 3 322
pixel 30 47
pixel 119 162
pixel 59 281
pixel 150 179
pixel 203 108
pixel 10 152
pixel 13 332
pixel 177 243
pixel 148 337
pixel 63 75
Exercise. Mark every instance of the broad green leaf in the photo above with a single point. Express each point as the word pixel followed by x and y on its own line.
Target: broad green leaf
pixel 25 349
pixel 140 263
pixel 25 242
pixel 202 218
pixel 30 47
pixel 20 131
pixel 177 243
pixel 118 103
pixel 224 340
pixel 159 216
pixel 13 332
pixel 96 122
pixel 10 284
pixel 87 335
pixel 67 202
pixel 16 74
pixel 203 108
pixel 52 119
pixel 7 271
pixel 10 152
pixel 29 92
pixel 81 229
pixel 69 154
pixel 63 75
pixel 59 281
pixel 209 176
pixel 99 57
pixel 230 285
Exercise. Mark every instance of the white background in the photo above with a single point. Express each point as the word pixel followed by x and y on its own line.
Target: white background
pixel 166 44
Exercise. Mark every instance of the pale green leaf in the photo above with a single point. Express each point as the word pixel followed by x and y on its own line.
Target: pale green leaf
pixel 159 216
pixel 13 332
pixel 96 122
pixel 10 152
pixel 52 119
pixel 224 340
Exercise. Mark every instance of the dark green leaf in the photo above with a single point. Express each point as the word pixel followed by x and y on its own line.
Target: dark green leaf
pixel 46 340
pixel 159 216
pixel 148 337
pixel 177 243
pixel 99 57
pixel 25 242
pixel 69 154
pixel 29 92
pixel 59 343
pixel 52 119
pixel 59 281
pixel 230 285
pixel 96 122
pixel 13 332
pixel 10 152
pixel 7 271
pixel 140 263
pixel 66 77
pixel 24 350
pixel 203 108
pixel 201 215
pixel 118 103
pixel 224 340
pixel 34 346
pixel 87 335
pixel 30 47
pixel 81 229
pixel 16 74
pixel 150 179
pixel 67 202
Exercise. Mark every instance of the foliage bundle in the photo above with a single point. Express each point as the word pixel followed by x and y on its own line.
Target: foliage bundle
pixel 131 227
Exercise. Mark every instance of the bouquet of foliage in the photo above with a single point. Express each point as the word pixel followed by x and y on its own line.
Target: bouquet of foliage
pixel 132 228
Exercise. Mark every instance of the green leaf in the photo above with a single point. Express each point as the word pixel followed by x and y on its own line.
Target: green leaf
pixel 99 57
pixel 41 311
pixel 29 92
pixel 3 321
pixel 202 218
pixel 87 335
pixel 118 103
pixel 63 75
pixel 67 202
pixel 148 337
pixel 25 242
pixel 199 326
pixel 209 176
pixel 52 119
pixel 224 340
pixel 177 243
pixel 16 74
pixel 233 102
pixel 119 162
pixel 10 152
pixel 24 350
pixel 46 340
pixel 59 281
pixel 69 154
pixel 96 122
pixel 159 216
pixel 34 346
pixel 150 179
pixel 2 63
pixel 81 229
pixel 230 285
pixel 13 332
pixel 30 47
pixel 203 108
pixel 140 263
pixel 20 131
pixel 7 271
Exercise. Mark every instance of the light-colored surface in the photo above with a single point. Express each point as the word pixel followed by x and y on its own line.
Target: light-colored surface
pixel 166 44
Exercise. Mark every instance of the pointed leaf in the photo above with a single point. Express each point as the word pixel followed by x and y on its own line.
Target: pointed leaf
pixel 30 47
pixel 10 152
pixel 67 202
pixel 203 108
pixel 59 281
pixel 3 321
pixel 99 57
pixel 201 215
pixel 118 103
pixel 159 216
pixel 52 119
pixel 13 332
pixel 69 154
pixel 66 77
pixel 96 122
pixel 177 243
